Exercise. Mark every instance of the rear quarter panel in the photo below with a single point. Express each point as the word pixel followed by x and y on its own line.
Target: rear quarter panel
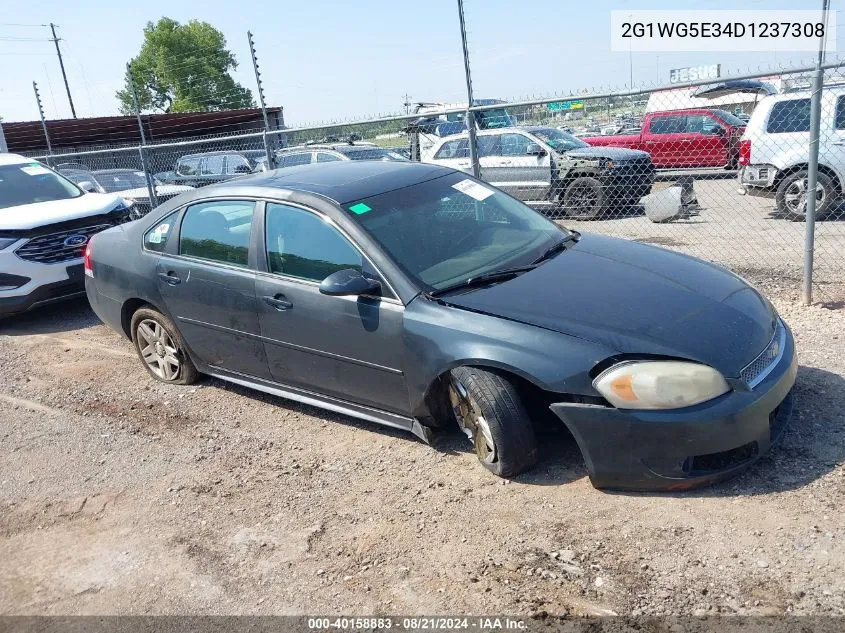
pixel 122 271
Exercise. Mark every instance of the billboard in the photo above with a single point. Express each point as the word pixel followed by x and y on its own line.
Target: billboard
pixel 695 73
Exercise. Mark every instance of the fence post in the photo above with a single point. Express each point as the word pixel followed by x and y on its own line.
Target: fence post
pixel 151 190
pixel 813 166
pixel 43 122
pixel 470 115
pixel 260 88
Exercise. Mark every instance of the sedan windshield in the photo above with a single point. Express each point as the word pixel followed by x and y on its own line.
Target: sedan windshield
pixel 444 231
pixel 28 183
pixel 558 139
pixel 121 180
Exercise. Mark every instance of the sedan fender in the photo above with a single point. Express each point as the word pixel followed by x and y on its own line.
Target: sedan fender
pixel 440 337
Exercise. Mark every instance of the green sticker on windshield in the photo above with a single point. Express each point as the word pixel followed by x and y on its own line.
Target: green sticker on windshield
pixel 359 208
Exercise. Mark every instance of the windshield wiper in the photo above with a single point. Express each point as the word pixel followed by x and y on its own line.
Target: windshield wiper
pixel 482 280
pixel 558 246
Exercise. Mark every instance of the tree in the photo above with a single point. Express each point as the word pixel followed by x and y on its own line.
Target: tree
pixel 183 68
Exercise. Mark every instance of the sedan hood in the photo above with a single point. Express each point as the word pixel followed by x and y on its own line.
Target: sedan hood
pixel 613 153
pixel 637 299
pixel 30 216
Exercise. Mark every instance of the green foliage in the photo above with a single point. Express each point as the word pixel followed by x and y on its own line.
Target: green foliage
pixel 183 68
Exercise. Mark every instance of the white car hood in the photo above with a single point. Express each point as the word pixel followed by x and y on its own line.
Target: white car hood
pixel 30 216
pixel 161 190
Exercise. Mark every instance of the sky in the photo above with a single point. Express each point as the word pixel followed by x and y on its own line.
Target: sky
pixel 332 60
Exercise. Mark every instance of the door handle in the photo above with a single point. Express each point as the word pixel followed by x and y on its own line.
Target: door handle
pixel 838 143
pixel 506 162
pixel 170 278
pixel 278 302
pixel 463 164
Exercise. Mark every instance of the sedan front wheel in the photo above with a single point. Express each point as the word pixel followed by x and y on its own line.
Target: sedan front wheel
pixel 490 412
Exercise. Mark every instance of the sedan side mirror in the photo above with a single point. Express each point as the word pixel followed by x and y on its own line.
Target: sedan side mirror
pixel 535 150
pixel 88 187
pixel 349 282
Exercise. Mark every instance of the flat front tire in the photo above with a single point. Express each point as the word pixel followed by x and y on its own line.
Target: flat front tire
pixel 489 410
pixel 161 349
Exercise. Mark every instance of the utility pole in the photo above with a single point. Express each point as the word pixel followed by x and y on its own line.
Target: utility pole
pixel 407 103
pixel 813 165
pixel 62 65
pixel 142 149
pixel 260 87
pixel 470 114
pixel 43 122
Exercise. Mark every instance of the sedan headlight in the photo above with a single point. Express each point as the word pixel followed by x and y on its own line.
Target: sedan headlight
pixel 659 384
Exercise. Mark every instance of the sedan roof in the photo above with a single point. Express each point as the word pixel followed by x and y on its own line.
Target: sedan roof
pixel 343 181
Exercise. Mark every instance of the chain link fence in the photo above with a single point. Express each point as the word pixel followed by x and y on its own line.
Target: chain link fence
pixel 718 170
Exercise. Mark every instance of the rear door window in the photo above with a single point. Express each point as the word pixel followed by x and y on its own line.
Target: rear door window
pixel 218 231
pixel 789 116
pixel 668 125
pixel 212 165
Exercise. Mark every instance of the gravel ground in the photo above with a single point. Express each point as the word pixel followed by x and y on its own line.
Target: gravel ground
pixel 123 496
pixel 744 233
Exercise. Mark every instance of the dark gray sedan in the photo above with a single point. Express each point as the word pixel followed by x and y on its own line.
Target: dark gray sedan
pixel 415 296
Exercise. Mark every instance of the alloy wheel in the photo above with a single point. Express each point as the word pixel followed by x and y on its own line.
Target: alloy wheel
pixel 471 421
pixel 158 350
pixel 795 197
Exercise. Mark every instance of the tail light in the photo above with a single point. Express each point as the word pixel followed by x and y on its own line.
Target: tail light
pixel 745 152
pixel 86 260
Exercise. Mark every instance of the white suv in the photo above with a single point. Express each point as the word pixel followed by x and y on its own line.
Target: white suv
pixel 774 152
pixel 45 223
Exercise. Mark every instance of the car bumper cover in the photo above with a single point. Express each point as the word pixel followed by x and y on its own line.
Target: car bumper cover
pixel 72 287
pixel 684 448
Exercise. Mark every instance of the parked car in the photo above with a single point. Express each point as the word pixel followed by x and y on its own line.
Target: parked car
pixel 699 137
pixel 132 185
pixel 432 126
pixel 196 170
pixel 327 152
pixel 775 152
pixel 415 296
pixel 548 167
pixel 45 222
pixel 86 179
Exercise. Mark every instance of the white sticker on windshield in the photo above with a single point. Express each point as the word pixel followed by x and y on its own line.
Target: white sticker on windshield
pixel 473 189
pixel 35 170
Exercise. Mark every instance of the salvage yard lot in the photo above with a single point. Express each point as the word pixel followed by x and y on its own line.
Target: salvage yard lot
pixel 122 495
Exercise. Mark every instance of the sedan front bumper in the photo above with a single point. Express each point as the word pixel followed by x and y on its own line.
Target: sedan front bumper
pixel 683 448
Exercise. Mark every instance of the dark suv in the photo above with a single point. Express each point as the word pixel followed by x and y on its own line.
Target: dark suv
pixel 210 167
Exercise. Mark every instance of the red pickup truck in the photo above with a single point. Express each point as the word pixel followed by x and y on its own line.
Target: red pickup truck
pixel 699 137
